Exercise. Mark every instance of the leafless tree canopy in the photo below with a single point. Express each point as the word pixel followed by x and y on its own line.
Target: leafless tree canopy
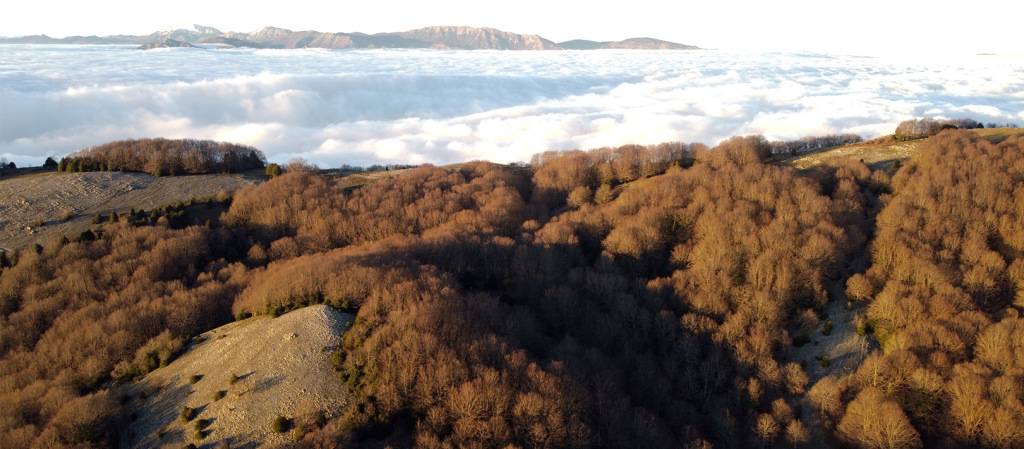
pixel 553 306
pixel 165 156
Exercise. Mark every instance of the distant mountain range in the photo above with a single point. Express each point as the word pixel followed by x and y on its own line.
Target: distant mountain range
pixel 436 37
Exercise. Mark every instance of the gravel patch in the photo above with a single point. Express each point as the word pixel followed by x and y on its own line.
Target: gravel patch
pixel 284 368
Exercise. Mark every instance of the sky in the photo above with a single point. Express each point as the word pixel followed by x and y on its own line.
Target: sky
pixel 865 27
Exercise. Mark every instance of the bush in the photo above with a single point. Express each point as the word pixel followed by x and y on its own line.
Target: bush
pixel 195 378
pixel 218 395
pixel 187 414
pixel 279 425
pixel 828 328
pixel 233 379
pixel 825 360
pixel 202 424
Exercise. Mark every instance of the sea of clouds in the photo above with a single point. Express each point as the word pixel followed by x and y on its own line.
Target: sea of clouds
pixel 361 107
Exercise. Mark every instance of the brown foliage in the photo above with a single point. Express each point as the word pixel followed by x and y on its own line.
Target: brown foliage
pixel 166 157
pixel 945 269
pixel 651 319
pixel 872 422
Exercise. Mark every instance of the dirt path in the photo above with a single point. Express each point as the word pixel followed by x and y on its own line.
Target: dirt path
pixel 66 202
pixel 283 365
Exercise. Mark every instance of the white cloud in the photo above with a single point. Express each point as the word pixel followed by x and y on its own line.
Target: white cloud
pixel 363 107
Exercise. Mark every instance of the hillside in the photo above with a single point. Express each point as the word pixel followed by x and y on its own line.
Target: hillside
pixel 66 202
pixel 881 153
pixel 669 295
pixel 283 366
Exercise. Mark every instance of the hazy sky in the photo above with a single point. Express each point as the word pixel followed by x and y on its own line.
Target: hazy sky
pixel 860 27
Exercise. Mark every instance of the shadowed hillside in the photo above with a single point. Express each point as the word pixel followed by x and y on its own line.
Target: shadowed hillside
pixel 670 295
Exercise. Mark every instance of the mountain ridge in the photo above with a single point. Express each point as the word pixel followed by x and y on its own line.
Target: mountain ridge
pixel 433 37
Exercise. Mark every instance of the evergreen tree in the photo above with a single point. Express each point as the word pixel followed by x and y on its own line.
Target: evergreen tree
pixel 273 170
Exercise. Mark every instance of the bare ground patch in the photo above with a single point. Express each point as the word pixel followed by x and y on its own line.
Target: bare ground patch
pixel 66 202
pixel 283 368
pixel 877 157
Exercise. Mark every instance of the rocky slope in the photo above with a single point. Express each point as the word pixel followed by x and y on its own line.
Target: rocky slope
pixel 283 368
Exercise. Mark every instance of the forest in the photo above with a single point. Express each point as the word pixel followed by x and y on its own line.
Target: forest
pixel 165 157
pixel 640 296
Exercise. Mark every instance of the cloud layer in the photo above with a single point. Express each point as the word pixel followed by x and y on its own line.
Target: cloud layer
pixel 362 107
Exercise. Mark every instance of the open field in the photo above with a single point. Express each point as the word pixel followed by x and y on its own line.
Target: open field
pixel 880 156
pixel 875 156
pixel 67 202
pixel 996 135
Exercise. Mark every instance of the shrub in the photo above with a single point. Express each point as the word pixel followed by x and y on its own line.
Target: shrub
pixel 233 379
pixel 218 395
pixel 199 435
pixel 195 377
pixel 97 219
pixel 279 425
pixel 825 360
pixel 187 414
pixel 202 424
pixel 828 328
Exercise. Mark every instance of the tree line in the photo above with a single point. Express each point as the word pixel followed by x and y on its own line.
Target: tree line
pixel 165 157
pixel 924 127
pixel 805 144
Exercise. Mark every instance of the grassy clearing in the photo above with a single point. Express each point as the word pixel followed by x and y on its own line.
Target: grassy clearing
pixel 997 135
